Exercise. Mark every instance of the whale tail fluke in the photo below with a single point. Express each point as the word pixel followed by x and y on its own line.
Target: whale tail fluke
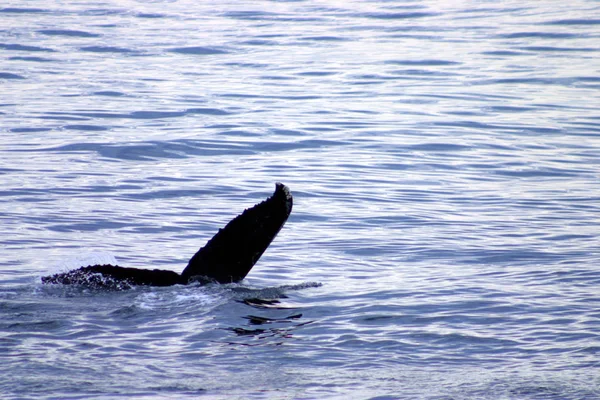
pixel 233 251
pixel 226 258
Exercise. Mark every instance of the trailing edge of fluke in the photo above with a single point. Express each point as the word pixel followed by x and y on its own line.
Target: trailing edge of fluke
pixel 227 257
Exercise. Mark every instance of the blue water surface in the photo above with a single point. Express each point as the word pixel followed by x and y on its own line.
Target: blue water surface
pixel 445 163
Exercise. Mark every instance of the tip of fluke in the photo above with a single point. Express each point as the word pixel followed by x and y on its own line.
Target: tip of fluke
pixel 289 202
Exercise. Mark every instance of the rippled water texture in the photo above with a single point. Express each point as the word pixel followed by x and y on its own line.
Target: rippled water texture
pixel 445 162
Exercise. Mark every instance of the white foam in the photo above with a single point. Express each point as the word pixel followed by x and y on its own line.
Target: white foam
pixel 83 260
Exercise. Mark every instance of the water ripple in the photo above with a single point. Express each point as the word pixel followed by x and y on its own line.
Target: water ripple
pixel 68 33
pixel 444 166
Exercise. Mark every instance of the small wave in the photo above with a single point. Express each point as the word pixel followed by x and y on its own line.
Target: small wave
pixel 8 75
pixel 197 50
pixel 423 62
pixel 21 10
pixel 69 33
pixel 83 127
pixel 543 35
pixel 150 15
pixel 19 47
pixel 33 59
pixel 110 93
pixel 182 295
pixel 275 292
pixel 106 49
pixel 398 15
pixel 575 21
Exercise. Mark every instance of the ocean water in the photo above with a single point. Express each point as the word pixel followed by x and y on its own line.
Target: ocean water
pixel 444 158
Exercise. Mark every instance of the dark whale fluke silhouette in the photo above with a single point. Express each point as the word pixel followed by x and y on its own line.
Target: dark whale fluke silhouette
pixel 226 258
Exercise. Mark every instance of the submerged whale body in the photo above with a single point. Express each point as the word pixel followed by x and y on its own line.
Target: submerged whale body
pixel 227 257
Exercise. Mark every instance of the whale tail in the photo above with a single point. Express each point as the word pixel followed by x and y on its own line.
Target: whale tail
pixel 233 251
pixel 226 258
